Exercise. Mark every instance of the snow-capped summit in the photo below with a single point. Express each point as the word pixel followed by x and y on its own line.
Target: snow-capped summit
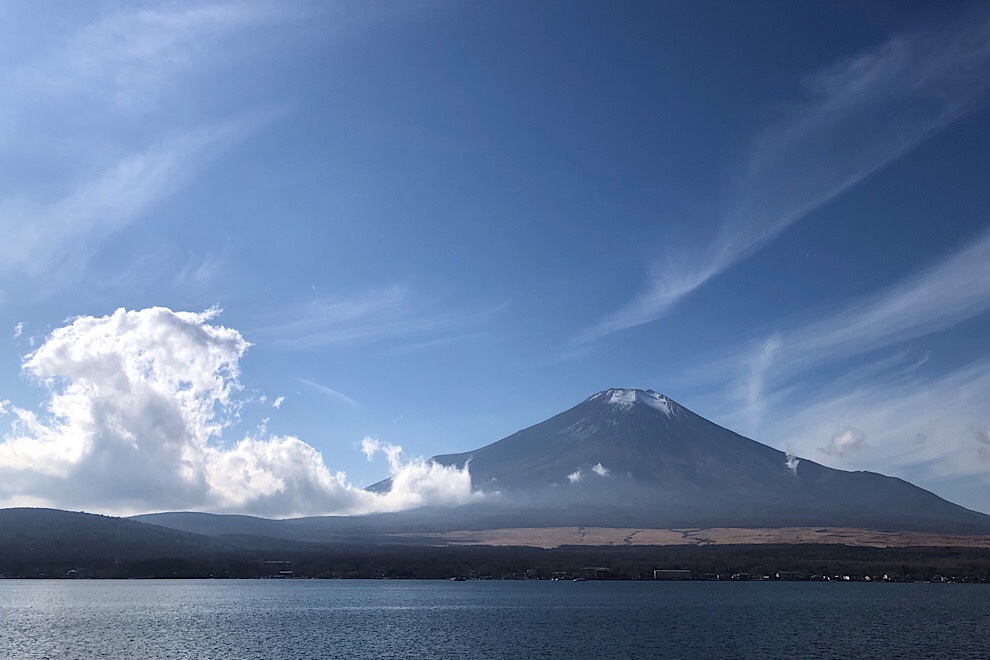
pixel 627 398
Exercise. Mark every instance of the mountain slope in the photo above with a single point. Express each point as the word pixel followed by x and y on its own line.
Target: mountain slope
pixel 637 457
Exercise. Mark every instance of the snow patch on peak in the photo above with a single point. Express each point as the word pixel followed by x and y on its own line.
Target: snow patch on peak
pixel 622 398
pixel 627 398
pixel 659 401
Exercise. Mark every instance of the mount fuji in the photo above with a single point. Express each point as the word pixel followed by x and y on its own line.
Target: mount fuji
pixel 630 457
pixel 632 461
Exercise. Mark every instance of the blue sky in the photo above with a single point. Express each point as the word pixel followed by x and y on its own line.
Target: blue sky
pixel 432 224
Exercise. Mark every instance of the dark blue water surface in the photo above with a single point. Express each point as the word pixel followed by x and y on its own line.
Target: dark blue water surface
pixel 240 620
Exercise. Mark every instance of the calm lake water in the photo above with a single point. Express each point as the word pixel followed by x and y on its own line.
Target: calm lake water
pixel 240 620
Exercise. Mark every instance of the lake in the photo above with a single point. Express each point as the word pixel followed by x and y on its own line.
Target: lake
pixel 290 619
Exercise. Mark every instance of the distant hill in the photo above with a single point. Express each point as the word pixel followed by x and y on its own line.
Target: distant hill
pixel 41 534
pixel 37 542
pixel 236 529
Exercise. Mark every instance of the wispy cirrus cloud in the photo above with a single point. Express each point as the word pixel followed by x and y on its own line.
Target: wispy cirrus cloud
pixel 375 316
pixel 127 60
pixel 886 416
pixel 932 424
pixel 886 413
pixel 328 391
pixel 956 289
pixel 38 233
pixel 755 383
pixel 854 118
pixel 96 113
pixel 952 291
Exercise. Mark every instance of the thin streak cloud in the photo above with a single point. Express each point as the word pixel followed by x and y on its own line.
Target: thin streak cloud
pixel 915 422
pixel 40 233
pixel 323 389
pixel 857 116
pixel 119 76
pixel 953 291
pixel 129 58
pixel 372 317
pixel 885 414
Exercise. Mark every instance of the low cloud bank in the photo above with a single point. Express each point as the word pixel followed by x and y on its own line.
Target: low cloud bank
pixel 579 474
pixel 137 405
pixel 850 439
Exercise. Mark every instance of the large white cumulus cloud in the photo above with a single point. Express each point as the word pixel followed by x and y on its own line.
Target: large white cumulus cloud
pixel 138 403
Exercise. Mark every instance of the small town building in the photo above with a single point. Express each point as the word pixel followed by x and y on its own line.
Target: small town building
pixel 671 574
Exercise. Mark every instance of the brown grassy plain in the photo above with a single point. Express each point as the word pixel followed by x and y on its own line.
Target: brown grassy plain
pixel 555 537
